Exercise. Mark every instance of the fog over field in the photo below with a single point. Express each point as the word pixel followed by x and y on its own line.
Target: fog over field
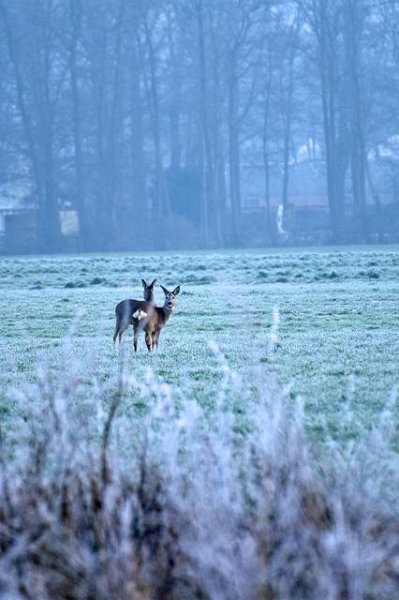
pixel 193 124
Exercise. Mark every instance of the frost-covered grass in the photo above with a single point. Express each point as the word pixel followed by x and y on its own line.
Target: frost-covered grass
pixel 137 491
pixel 253 456
pixel 338 332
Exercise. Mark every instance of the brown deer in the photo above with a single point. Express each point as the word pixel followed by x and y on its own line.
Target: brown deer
pixel 130 312
pixel 156 319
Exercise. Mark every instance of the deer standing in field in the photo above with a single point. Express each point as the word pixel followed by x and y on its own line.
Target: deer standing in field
pixel 132 312
pixel 156 320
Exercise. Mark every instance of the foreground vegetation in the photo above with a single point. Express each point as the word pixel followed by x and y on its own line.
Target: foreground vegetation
pixel 253 456
pixel 135 491
pixel 99 502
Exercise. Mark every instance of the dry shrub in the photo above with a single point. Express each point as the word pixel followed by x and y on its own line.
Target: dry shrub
pixel 100 501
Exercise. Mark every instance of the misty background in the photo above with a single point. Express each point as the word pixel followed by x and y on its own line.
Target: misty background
pixel 166 124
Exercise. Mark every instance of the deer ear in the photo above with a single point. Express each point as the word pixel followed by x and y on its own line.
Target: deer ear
pixel 152 284
pixel 144 283
pixel 165 291
pixel 176 290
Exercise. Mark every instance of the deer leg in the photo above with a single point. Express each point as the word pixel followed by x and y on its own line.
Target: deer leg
pixel 136 335
pixel 148 340
pixel 122 327
pixel 156 338
pixel 118 327
pixel 116 332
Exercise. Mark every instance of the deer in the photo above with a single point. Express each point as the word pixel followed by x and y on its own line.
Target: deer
pixel 130 312
pixel 155 320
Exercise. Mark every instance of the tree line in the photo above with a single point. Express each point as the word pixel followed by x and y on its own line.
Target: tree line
pixel 139 114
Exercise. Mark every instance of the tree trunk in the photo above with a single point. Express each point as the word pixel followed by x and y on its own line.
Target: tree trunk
pixel 334 123
pixel 162 207
pixel 40 147
pixel 234 157
pixel 287 121
pixel 357 147
pixel 137 217
pixel 84 232
pixel 207 160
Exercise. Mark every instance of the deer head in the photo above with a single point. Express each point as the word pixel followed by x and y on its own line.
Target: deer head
pixel 148 290
pixel 170 297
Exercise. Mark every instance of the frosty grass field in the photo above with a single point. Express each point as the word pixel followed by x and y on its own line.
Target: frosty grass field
pixel 254 456
pixel 338 332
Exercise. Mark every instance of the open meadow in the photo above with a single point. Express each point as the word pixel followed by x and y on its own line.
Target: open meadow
pixel 338 331
pixel 254 455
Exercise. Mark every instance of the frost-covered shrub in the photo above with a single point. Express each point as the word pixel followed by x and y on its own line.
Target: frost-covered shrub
pixel 129 489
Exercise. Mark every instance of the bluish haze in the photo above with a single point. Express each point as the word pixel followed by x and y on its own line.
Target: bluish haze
pixel 165 124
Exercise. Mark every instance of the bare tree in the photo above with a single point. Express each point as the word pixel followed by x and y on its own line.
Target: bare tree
pixel 353 17
pixel 38 75
pixel 75 41
pixel 152 37
pixel 103 99
pixel 325 18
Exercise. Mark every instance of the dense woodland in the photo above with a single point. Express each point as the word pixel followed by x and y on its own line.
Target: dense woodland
pixel 139 114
